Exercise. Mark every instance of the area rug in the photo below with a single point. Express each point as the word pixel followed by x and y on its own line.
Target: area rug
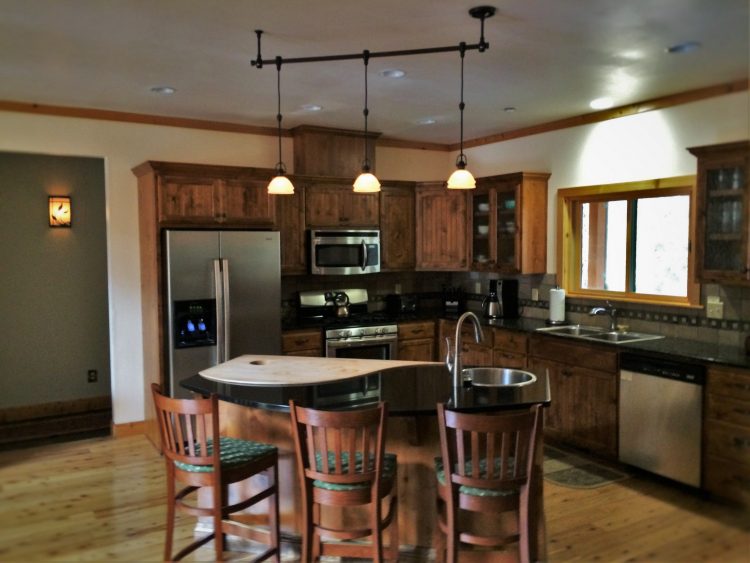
pixel 570 470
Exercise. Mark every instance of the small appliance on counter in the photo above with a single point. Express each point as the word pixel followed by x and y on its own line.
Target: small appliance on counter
pixel 454 300
pixel 508 294
pixel 491 306
pixel 396 304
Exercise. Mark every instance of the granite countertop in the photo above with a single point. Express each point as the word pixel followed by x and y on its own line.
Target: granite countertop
pixel 409 390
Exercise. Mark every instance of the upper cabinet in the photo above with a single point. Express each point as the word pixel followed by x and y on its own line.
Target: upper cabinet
pixel 336 205
pixel 441 239
pixel 508 224
pixel 290 220
pixel 723 213
pixel 397 228
pixel 184 195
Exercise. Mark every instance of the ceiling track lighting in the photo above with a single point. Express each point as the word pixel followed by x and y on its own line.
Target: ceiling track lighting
pixel 280 184
pixel 461 180
pixel 366 182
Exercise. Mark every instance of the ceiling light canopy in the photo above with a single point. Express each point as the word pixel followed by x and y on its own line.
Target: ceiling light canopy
pixel 366 181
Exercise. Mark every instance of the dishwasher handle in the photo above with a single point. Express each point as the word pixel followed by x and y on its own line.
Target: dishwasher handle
pixel 668 369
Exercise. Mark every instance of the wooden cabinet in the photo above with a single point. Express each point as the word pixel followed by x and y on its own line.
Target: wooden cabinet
pixel 416 341
pixel 210 198
pixel 726 451
pixel 508 224
pixel 723 217
pixel 290 220
pixel 509 348
pixel 336 205
pixel 583 385
pixel 397 228
pixel 441 239
pixel 304 342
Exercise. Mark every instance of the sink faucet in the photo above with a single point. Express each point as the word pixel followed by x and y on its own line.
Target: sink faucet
pixel 453 360
pixel 608 310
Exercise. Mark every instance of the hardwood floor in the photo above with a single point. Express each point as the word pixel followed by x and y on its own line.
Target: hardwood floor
pixel 103 500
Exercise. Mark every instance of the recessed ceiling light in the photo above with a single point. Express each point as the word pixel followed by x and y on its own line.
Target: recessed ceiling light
pixel 311 107
pixel 163 90
pixel 392 73
pixel 426 121
pixel 601 103
pixel 686 47
pixel 509 109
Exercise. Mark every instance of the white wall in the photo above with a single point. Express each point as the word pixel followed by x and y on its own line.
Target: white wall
pixel 644 146
pixel 638 147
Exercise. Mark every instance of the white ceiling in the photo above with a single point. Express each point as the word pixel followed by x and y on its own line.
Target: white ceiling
pixel 547 58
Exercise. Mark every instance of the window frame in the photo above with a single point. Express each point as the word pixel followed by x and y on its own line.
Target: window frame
pixel 569 237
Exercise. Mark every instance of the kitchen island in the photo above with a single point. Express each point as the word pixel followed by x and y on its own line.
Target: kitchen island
pixel 259 411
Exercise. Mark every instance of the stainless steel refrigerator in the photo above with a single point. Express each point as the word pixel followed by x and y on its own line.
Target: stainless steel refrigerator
pixel 223 299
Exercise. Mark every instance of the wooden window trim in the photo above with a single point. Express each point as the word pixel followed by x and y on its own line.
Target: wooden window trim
pixel 568 247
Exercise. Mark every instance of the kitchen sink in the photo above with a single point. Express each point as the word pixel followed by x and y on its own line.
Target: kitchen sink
pixel 597 334
pixel 498 377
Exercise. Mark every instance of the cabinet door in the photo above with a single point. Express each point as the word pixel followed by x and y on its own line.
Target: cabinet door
pixel 322 206
pixel 358 210
pixel 442 238
pixel 482 230
pixel 593 417
pixel 290 219
pixel 188 200
pixel 419 349
pixel 561 405
pixel 246 202
pixel 336 205
pixel 397 229
pixel 508 231
pixel 723 209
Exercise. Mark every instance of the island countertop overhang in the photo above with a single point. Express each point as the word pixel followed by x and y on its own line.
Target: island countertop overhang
pixel 413 388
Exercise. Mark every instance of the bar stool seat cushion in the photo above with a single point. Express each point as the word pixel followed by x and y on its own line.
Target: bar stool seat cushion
pixel 477 491
pixel 234 452
pixel 389 470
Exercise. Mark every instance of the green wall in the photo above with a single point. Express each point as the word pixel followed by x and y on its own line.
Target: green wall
pixel 54 322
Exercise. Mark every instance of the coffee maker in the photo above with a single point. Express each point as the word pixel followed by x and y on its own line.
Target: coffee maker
pixel 502 301
pixel 491 306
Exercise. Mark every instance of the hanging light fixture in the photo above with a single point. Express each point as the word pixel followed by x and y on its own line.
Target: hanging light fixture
pixel 461 179
pixel 280 184
pixel 366 182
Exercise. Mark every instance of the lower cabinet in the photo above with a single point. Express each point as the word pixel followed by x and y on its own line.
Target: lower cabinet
pixel 307 342
pixel 726 452
pixel 583 386
pixel 509 348
pixel 416 341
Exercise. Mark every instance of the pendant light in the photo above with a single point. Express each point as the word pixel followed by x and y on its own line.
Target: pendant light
pixel 461 179
pixel 366 182
pixel 280 184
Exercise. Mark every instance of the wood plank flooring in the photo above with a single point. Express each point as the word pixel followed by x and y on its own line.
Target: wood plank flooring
pixel 103 500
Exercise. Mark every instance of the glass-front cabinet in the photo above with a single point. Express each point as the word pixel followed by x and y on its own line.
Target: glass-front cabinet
pixel 723 211
pixel 509 223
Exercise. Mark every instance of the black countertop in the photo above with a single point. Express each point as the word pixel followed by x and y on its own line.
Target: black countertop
pixel 409 391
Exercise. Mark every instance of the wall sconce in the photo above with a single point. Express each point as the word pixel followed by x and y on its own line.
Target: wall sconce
pixel 59 211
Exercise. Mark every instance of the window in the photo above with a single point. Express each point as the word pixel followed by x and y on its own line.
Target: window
pixel 629 242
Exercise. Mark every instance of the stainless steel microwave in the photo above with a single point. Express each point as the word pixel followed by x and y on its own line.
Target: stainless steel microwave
pixel 344 251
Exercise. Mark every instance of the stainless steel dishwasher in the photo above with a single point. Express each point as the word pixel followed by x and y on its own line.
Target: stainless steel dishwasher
pixel 660 417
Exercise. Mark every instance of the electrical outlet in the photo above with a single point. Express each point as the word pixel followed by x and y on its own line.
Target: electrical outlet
pixel 715 310
pixel 93 376
pixel 535 294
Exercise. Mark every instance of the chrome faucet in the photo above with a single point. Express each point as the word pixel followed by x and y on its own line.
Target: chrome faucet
pixel 453 360
pixel 608 310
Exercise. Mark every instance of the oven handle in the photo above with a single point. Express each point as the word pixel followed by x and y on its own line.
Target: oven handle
pixel 364 255
pixel 353 343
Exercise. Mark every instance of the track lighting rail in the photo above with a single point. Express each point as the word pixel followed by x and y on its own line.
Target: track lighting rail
pixel 480 12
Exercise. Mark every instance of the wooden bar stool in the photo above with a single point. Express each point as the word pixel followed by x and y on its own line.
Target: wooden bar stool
pixel 341 463
pixel 193 450
pixel 485 472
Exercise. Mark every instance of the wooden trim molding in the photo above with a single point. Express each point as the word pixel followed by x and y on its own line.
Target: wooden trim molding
pixel 130 429
pixel 56 408
pixel 584 119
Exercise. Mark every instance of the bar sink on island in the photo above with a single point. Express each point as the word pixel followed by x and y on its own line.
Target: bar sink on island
pixel 255 393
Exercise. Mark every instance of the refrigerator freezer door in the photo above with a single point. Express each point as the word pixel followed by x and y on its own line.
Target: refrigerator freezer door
pixel 189 257
pixel 254 295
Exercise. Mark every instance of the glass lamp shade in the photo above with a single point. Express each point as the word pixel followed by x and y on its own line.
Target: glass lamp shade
pixel 59 211
pixel 280 185
pixel 461 179
pixel 366 183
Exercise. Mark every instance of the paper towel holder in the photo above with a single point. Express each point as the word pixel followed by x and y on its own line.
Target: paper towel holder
pixel 555 322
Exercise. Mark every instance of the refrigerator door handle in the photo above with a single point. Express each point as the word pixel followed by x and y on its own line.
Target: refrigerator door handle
pixel 220 324
pixel 225 302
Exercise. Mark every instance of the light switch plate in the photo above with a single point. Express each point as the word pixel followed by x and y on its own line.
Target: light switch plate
pixel 534 294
